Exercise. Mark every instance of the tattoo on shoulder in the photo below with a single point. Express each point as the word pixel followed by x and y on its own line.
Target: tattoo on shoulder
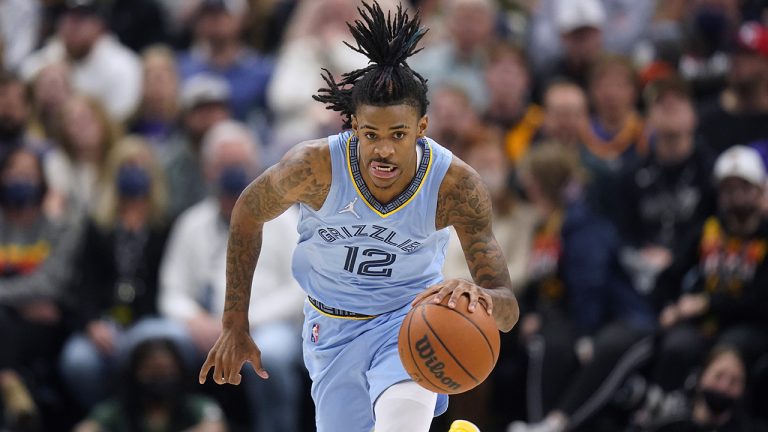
pixel 302 176
pixel 463 201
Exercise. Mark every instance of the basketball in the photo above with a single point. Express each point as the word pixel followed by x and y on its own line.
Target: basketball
pixel 448 350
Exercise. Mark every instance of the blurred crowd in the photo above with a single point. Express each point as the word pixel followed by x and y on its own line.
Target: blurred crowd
pixel 624 144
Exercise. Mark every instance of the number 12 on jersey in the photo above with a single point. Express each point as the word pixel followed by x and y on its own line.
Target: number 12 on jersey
pixel 376 266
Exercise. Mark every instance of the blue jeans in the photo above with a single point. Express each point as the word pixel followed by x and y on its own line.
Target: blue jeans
pixel 86 370
pixel 276 401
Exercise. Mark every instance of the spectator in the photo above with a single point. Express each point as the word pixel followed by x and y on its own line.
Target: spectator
pixel 669 190
pixel 509 86
pixel 566 115
pixel 15 111
pixel 453 121
pixel 51 89
pixel 204 102
pixel 740 116
pixel 101 67
pixel 563 28
pixel 616 137
pixel 460 60
pixel 35 267
pixel 218 49
pixel 583 313
pixel 714 290
pixel 154 396
pixel 85 136
pixel 116 292
pixel 563 118
pixel 716 402
pixel 192 278
pixel 20 22
pixel 580 27
pixel 158 110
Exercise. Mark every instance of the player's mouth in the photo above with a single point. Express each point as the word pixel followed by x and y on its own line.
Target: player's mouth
pixel 383 170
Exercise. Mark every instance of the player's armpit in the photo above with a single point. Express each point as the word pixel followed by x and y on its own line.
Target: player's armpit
pixel 303 175
pixel 465 204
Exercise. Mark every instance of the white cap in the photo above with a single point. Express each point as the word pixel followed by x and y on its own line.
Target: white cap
pixel 574 14
pixel 741 162
pixel 204 88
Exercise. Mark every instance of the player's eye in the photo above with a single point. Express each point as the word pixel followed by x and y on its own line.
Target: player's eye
pixel 370 135
pixel 399 135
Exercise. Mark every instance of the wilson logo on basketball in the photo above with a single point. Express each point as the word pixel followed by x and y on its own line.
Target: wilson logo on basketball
pixel 435 366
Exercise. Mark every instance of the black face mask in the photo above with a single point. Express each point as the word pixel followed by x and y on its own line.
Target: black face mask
pixel 160 389
pixel 20 194
pixel 717 402
pixel 10 131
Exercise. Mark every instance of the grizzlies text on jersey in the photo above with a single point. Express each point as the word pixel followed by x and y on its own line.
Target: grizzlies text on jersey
pixel 357 254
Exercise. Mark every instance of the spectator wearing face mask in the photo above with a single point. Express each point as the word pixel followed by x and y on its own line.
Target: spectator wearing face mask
pixel 716 402
pixel 116 293
pixel 155 396
pixel 193 278
pixel 714 290
pixel 35 268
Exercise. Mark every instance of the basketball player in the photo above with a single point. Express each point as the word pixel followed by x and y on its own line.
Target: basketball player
pixel 375 204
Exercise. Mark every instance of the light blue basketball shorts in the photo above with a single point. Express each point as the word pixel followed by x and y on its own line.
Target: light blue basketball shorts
pixel 351 362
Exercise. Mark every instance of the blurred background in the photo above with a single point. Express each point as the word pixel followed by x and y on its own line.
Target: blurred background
pixel 623 142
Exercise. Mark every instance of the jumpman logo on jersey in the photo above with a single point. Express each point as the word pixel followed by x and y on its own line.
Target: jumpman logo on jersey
pixel 350 208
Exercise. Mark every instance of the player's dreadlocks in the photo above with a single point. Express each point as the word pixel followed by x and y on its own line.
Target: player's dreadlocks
pixel 388 80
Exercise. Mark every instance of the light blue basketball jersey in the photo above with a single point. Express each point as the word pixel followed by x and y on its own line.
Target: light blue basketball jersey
pixel 363 256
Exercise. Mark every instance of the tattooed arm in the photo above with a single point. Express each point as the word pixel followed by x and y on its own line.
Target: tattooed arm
pixel 464 203
pixel 303 175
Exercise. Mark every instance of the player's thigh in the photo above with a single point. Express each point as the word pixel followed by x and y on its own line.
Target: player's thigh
pixel 342 402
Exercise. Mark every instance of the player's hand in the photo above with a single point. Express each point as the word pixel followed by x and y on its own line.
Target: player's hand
pixel 454 288
pixel 233 348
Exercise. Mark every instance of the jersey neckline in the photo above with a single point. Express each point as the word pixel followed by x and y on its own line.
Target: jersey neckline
pixel 402 199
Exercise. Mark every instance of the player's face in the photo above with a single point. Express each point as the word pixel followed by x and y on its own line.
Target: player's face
pixel 387 142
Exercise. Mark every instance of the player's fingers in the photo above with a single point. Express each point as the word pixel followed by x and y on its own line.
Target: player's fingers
pixel 445 290
pixel 424 294
pixel 205 369
pixel 219 369
pixel 488 300
pixel 256 363
pixel 455 294
pixel 473 299
pixel 234 376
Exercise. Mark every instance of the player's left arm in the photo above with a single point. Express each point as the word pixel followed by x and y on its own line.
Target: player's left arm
pixel 464 203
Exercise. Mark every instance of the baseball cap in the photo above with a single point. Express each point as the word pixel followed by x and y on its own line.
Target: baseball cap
pixel 571 15
pixel 233 7
pixel 753 37
pixel 204 89
pixel 741 162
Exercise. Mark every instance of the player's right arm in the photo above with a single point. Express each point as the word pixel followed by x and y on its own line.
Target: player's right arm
pixel 303 175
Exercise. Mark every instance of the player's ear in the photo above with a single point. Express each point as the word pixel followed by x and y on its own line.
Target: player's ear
pixel 355 125
pixel 423 123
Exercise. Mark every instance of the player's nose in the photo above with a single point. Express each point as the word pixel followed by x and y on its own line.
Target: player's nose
pixel 384 149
